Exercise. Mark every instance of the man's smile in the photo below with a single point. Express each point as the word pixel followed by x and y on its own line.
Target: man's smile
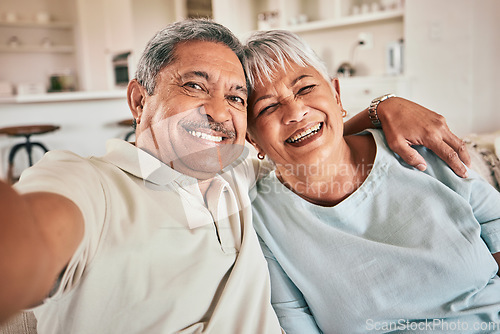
pixel 206 136
pixel 210 131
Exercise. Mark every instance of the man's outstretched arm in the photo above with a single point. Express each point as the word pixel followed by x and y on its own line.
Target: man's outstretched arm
pixel 39 232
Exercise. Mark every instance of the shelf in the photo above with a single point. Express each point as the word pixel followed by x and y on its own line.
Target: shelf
pixel 346 21
pixel 38 25
pixel 37 49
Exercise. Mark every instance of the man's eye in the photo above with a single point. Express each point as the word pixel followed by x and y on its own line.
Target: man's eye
pixel 306 89
pixel 193 85
pixel 237 99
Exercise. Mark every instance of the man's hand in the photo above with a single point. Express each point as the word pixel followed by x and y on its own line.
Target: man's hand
pixel 406 123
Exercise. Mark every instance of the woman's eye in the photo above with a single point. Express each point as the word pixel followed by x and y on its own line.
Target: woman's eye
pixel 306 89
pixel 269 108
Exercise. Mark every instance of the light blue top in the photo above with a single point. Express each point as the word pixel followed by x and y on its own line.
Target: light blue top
pixel 406 246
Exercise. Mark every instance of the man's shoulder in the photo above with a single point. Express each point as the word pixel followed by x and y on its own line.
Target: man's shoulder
pixel 63 155
pixel 68 162
pixel 66 170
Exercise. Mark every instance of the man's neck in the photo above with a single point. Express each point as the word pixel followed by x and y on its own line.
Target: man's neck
pixel 204 185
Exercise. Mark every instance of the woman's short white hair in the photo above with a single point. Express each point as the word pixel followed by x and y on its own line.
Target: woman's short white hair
pixel 267 51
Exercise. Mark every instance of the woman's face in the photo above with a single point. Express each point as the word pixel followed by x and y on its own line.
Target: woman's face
pixel 296 118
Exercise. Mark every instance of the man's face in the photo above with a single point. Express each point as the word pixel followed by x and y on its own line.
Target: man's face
pixel 196 119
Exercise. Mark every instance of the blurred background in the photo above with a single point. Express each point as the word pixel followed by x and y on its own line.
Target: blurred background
pixel 67 62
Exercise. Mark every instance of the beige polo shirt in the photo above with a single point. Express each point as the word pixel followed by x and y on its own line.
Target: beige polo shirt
pixel 154 257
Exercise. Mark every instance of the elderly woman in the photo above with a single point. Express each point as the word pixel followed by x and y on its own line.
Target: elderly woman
pixel 356 239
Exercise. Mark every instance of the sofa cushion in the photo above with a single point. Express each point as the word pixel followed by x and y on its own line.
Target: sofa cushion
pixel 483 150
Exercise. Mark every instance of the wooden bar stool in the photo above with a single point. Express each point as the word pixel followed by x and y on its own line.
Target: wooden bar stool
pixel 25 131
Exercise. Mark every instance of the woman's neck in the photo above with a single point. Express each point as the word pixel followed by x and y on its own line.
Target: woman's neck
pixel 336 178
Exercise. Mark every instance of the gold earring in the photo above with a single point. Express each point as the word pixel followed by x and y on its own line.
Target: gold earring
pixel 260 156
pixel 138 120
pixel 344 113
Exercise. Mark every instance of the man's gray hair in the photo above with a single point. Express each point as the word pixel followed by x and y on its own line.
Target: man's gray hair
pixel 267 51
pixel 160 50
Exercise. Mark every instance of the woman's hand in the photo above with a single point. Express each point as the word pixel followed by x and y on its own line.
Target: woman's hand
pixel 406 123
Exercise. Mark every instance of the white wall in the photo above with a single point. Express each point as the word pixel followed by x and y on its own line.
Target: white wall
pixel 484 66
pixel 226 12
pixel 452 54
pixel 149 16
pixel 92 53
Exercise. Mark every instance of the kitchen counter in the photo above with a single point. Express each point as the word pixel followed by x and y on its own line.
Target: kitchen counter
pixel 86 119
pixel 65 97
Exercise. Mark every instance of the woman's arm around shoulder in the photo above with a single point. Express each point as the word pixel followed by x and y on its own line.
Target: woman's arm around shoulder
pixel 406 124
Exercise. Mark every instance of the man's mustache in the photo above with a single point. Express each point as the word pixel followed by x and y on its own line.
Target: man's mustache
pixel 214 126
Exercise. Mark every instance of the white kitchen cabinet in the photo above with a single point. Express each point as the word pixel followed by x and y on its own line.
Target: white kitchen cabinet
pixel 118 25
pixel 105 31
pixel 357 92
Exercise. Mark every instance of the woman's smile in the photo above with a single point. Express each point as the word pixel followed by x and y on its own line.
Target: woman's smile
pixel 304 136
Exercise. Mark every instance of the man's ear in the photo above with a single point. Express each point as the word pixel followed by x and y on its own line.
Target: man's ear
pixel 336 86
pixel 136 94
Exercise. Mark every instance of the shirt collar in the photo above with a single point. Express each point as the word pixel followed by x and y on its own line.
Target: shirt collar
pixel 141 164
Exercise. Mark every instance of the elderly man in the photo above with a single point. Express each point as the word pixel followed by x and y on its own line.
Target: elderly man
pixel 156 237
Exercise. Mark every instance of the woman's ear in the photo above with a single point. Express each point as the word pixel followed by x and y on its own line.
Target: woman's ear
pixel 250 139
pixel 336 86
pixel 136 95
